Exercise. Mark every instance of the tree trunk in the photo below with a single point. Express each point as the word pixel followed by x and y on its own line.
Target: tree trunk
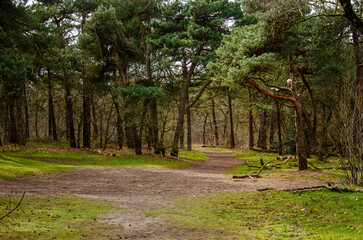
pixel 119 130
pixel 312 126
pixel 182 105
pixel 278 108
pixel 300 137
pixel 36 119
pixel 272 125
pixel 182 136
pixel 232 142
pixel 358 76
pixel 216 137
pixel 251 143
pixel 69 110
pixel 204 128
pixel 26 112
pixel 86 116
pixel 94 118
pixel 13 131
pixel 189 129
pixel 52 128
pixel 261 141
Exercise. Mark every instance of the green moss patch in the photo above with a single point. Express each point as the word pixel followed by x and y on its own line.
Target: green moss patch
pixel 65 217
pixel 270 215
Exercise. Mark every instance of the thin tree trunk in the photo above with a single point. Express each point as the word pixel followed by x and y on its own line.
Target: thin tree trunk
pixel 182 135
pixel 312 127
pixel 86 116
pixel 36 118
pixel 189 128
pixel 86 100
pixel 13 131
pixel 300 137
pixel 204 128
pixel 250 122
pixel 94 117
pixel 272 125
pixel 119 130
pixel 182 105
pixel 358 75
pixel 261 141
pixel 69 110
pixel 26 112
pixel 278 108
pixel 52 128
pixel 216 136
pixel 232 142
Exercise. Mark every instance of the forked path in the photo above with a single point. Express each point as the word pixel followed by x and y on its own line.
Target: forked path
pixel 138 190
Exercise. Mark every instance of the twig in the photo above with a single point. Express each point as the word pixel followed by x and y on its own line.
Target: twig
pixel 22 197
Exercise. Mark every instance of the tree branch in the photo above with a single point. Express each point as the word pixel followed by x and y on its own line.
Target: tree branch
pixel 267 92
pixel 199 94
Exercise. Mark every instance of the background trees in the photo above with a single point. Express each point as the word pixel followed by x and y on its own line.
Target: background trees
pixel 158 73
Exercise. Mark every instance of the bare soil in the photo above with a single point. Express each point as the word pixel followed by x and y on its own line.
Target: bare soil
pixel 138 190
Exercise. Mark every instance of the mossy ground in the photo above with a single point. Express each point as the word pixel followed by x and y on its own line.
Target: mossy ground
pixel 269 215
pixel 60 217
pixel 20 163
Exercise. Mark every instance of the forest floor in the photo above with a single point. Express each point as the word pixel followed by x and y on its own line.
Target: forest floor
pixel 137 191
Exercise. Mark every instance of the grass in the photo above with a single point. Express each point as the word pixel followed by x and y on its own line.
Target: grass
pixel 288 170
pixel 20 163
pixel 62 217
pixel 194 155
pixel 269 215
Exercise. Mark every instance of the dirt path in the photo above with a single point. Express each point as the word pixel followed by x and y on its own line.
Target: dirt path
pixel 138 190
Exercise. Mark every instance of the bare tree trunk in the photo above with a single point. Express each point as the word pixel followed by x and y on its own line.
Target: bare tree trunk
pixel 233 144
pixel 26 112
pixel 189 128
pixel 272 124
pixel 278 107
pixel 182 105
pixel 119 130
pixel 182 136
pixel 13 131
pixel 36 119
pixel 86 117
pixel 300 137
pixel 261 140
pixel 250 122
pixel 312 127
pixel 52 128
pixel 204 128
pixel 69 110
pixel 216 136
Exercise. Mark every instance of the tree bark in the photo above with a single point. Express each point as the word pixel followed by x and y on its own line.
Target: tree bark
pixel 94 118
pixel 272 125
pixel 251 143
pixel 120 132
pixel 351 15
pixel 216 136
pixel 69 110
pixel 299 138
pixel 26 112
pixel 13 131
pixel 189 128
pixel 52 128
pixel 312 127
pixel 204 129
pixel 278 108
pixel 86 116
pixel 182 105
pixel 261 140
pixel 232 142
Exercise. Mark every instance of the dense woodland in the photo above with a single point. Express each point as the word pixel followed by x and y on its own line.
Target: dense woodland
pixel 281 75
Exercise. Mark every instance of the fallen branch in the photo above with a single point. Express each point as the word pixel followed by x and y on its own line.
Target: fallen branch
pixel 252 175
pixel 22 197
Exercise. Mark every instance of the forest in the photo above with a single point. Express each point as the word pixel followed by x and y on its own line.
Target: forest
pixel 164 80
